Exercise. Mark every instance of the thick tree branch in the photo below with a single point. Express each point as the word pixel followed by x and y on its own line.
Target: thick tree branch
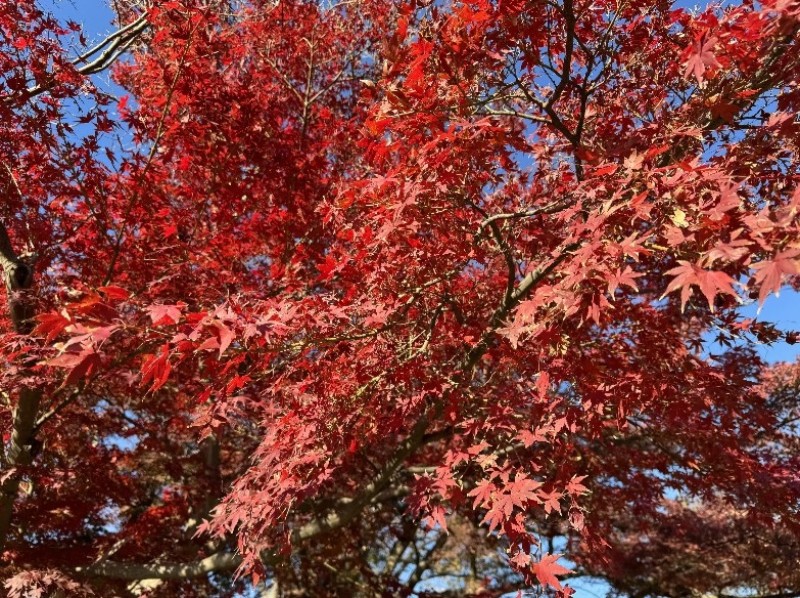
pixel 19 453
pixel 18 278
pixel 225 561
pixel 569 26
pixel 221 561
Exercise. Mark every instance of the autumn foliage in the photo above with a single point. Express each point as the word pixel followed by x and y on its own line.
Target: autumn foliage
pixel 368 298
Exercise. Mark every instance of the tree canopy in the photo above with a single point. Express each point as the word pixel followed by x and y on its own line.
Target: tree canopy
pixel 370 298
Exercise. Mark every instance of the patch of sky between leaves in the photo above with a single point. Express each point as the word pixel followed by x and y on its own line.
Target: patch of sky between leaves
pixel 784 311
pixel 95 18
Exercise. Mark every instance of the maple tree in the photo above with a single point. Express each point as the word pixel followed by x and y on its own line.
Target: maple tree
pixel 369 298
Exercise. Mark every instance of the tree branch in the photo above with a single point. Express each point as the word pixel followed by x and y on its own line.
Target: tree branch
pixel 110 50
pixel 18 278
pixel 220 561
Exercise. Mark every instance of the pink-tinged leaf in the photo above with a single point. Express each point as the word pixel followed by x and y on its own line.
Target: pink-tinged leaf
pixel 66 360
pixel 164 315
pixel 634 161
pixel 513 330
pixel 710 282
pixel 728 199
pixel 770 274
pixel 520 560
pixel 575 487
pixel 551 501
pixel 437 517
pixel 625 277
pixel 494 518
pixel 701 59
pixel 547 569
pixel 212 342
pixel 226 337
pixel 523 491
pixel 528 437
pixel 103 333
pixel 482 493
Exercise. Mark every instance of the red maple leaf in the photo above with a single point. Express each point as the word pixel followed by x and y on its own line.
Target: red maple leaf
pixel 547 569
pixel 770 274
pixel 710 282
pixel 701 58
pixel 164 314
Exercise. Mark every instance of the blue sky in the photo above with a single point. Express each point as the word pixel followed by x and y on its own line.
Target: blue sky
pixel 95 15
pixel 784 311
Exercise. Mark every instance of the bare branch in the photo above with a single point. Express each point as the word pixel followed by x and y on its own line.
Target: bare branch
pixel 551 208
pixel 110 50
pixel 122 33
pixel 569 25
